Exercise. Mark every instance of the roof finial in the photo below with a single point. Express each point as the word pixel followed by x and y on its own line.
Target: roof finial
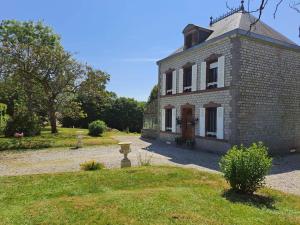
pixel 242 6
pixel 211 21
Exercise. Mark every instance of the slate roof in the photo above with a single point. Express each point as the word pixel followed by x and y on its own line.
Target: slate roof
pixel 241 21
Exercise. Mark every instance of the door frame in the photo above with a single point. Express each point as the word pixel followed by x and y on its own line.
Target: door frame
pixel 192 107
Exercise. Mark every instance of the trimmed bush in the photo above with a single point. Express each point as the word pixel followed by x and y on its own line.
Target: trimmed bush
pixel 96 128
pixel 91 165
pixel 245 168
pixel 23 143
pixel 29 125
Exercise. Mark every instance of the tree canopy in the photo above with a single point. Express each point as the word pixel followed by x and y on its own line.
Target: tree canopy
pixel 41 81
pixel 153 94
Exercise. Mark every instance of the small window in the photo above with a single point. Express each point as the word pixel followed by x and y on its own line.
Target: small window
pixel 191 39
pixel 187 79
pixel 169 83
pixel 211 122
pixel 168 119
pixel 188 40
pixel 212 75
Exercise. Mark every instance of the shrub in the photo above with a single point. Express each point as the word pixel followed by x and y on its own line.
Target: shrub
pixel 96 128
pixel 23 123
pixel 190 143
pixel 179 140
pixel 245 168
pixel 3 117
pixel 23 143
pixel 91 165
pixel 144 161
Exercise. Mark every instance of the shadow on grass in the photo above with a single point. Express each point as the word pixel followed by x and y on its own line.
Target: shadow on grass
pixel 255 200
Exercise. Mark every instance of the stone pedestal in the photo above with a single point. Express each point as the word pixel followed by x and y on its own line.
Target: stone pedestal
pixel 79 139
pixel 125 149
pixel 125 163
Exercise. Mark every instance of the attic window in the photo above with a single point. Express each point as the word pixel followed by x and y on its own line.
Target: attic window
pixel 189 40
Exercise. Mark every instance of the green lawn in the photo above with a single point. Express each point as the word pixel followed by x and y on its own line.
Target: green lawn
pixel 66 137
pixel 145 195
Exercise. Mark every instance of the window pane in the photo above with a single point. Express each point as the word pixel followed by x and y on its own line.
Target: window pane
pixel 188 40
pixel 168 119
pixel 212 75
pixel 211 122
pixel 187 77
pixel 169 81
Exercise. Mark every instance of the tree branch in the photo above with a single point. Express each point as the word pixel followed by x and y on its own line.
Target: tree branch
pixel 276 9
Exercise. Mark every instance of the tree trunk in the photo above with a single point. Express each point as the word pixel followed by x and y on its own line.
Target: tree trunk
pixel 52 118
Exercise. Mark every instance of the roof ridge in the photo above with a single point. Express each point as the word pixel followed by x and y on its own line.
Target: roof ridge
pixel 232 11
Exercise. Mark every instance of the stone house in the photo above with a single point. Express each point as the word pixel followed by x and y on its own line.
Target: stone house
pixel 228 85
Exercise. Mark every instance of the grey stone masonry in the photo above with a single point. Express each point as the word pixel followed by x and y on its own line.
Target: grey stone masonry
pixel 221 96
pixel 261 96
pixel 269 99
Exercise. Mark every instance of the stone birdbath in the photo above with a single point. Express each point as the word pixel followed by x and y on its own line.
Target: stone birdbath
pixel 125 149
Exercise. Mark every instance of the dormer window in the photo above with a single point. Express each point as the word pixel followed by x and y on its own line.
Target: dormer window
pixel 189 41
pixel 194 35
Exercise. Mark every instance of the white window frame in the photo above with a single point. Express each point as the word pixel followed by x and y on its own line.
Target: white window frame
pixel 169 92
pixel 213 66
pixel 188 87
pixel 211 133
pixel 169 129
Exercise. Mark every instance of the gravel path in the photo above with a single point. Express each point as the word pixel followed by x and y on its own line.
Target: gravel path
pixel 285 174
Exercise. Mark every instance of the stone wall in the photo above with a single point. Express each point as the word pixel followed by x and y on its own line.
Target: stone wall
pixel 149 133
pixel 261 98
pixel 199 98
pixel 269 98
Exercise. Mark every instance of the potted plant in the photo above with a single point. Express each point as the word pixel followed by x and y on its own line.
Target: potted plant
pixel 179 141
pixel 190 143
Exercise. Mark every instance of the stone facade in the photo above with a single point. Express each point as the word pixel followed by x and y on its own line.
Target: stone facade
pixel 260 97
pixel 269 95
pixel 199 98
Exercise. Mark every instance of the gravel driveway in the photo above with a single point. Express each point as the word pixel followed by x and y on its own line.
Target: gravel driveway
pixel 285 174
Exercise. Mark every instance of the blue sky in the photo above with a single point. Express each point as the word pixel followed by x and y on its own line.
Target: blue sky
pixel 126 38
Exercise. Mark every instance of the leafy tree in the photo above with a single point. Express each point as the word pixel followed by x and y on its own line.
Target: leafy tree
pixel 93 96
pixel 36 61
pixel 3 117
pixel 153 94
pixel 126 114
pixel 40 77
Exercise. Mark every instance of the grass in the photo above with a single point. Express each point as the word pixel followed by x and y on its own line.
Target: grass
pixel 66 137
pixel 144 195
